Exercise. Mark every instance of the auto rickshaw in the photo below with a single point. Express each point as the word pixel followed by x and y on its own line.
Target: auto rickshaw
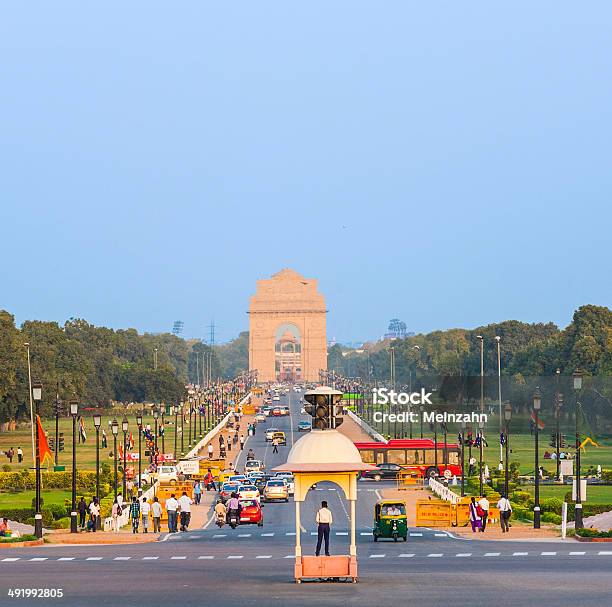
pixel 390 520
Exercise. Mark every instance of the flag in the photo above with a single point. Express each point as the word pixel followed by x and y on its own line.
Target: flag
pixel 540 422
pixel 120 450
pixel 131 442
pixel 82 429
pixel 43 445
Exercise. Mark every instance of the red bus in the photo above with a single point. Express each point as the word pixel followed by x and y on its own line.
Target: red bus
pixel 416 454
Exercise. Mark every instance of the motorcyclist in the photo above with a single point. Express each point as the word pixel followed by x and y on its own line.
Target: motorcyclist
pixel 233 506
pixel 250 455
pixel 221 512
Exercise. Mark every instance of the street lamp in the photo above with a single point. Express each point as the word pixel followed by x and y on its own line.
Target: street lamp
pixel 124 426
pixel 578 502
pixel 37 397
pixel 499 394
pixel 155 416
pixel 463 427
pixel 115 431
pixel 174 411
pixel 507 418
pixel 139 424
pixel 558 405
pixel 74 409
pixel 182 430
pixel 190 400
pixel 537 403
pixel 480 446
pixel 97 420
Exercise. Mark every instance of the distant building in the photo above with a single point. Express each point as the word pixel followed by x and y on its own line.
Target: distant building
pixel 396 330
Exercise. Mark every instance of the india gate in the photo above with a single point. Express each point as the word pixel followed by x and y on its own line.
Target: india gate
pixel 287 329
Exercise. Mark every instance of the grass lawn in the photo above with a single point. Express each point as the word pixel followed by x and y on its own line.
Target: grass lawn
pixel 86 453
pixel 595 494
pixel 24 499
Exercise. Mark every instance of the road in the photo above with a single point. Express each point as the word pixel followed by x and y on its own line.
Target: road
pixel 253 565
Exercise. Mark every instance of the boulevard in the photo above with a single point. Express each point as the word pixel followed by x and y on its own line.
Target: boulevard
pixel 253 565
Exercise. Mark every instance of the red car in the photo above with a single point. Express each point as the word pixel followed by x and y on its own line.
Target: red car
pixel 276 412
pixel 251 513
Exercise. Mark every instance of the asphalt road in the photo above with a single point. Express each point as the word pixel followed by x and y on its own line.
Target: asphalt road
pixel 253 565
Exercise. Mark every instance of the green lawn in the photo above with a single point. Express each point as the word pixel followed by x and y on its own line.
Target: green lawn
pixel 595 494
pixel 86 453
pixel 24 499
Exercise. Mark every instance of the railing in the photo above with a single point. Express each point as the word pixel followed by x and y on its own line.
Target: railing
pixel 443 492
pixel 366 427
pixel 124 518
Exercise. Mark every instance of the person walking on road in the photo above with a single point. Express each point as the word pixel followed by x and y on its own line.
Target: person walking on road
pixel 482 509
pixel 185 505
pixel 171 507
pixel 209 481
pixel 135 514
pixel 197 492
pixel 505 510
pixel 145 509
pixel 116 513
pixel 475 520
pixel 157 509
pixel 275 445
pixel 324 520
pixel 210 451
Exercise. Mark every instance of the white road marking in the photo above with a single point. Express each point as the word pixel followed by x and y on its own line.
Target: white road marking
pixel 122 558
pixel 549 554
pixel 66 558
pixel 604 552
pixel 235 556
pixel 577 553
pixel 520 553
pixel 463 554
pixel 377 556
pixel 290 533
pixel 378 495
pixel 405 556
pixel 178 558
pixel 313 533
pixel 267 535
pixel 150 558
pixel 416 535
pixel 205 558
pixel 219 535
pixel 491 554
pixel 289 556
pixel 440 535
pixel 366 533
pixel 244 535
pixel 341 532
pixel 332 489
pixel 435 555
pixel 264 556
pixel 11 559
pixel 93 558
pixel 39 558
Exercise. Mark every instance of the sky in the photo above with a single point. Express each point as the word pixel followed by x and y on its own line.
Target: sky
pixel 448 164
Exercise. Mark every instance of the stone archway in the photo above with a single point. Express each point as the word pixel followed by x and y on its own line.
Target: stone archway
pixel 287 300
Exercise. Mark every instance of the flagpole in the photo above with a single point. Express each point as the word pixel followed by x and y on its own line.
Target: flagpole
pixel 27 345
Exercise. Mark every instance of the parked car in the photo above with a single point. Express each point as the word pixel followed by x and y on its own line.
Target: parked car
pixel 382 471
pixel 251 512
pixel 304 426
pixel 276 489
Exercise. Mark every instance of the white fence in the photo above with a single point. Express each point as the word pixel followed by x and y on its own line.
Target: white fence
pixel 443 492
pixel 366 427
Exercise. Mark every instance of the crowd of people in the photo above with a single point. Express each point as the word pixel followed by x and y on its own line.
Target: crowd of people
pixel 479 513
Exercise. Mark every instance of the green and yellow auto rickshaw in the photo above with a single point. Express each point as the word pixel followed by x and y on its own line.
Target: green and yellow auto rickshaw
pixel 390 520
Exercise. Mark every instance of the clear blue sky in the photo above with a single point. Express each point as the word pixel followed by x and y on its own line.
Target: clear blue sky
pixel 445 163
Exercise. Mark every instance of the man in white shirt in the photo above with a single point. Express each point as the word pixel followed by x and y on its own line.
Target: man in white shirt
pixel 171 507
pixel 505 510
pixel 483 502
pixel 144 511
pixel 324 520
pixel 185 505
pixel 157 512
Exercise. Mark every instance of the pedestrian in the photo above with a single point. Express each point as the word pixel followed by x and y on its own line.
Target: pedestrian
pixel 482 508
pixel 210 451
pixel 501 466
pixel 197 492
pixel 4 527
pixel 82 510
pixel 116 513
pixel 242 442
pixel 130 488
pixel 505 511
pixel 104 439
pixel 221 441
pixel 475 520
pixel 157 512
pixel 135 514
pixel 275 445
pixel 185 505
pixel 120 500
pixel 472 469
pixel 324 520
pixel 144 510
pixel 209 481
pixel 19 455
pixel 171 507
pixel 10 454
pixel 94 513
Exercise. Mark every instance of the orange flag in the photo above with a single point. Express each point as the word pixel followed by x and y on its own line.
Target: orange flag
pixel 43 445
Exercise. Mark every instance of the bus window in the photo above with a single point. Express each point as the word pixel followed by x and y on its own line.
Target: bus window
pixel 453 458
pixel 380 456
pixel 367 456
pixel 396 456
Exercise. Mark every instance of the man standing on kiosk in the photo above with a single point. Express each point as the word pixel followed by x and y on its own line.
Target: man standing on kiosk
pixel 324 521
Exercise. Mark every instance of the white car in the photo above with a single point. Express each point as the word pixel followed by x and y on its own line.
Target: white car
pixel 276 398
pixel 270 433
pixel 260 417
pixel 248 492
pixel 165 474
pixel 253 465
pixel 288 478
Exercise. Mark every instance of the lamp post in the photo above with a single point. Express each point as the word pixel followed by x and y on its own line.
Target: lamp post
pixel 480 440
pixel 558 405
pixel 174 411
pixel 115 431
pixel 182 430
pixel 37 397
pixel 200 414
pixel 139 424
pixel 190 401
pixel 499 395
pixel 162 427
pixel 507 418
pixel 578 502
pixel 537 403
pixel 97 420
pixel 155 418
pixel 124 427
pixel 74 409
pixel 436 447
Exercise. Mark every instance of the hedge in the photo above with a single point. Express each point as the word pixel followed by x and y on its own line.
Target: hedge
pixel 15 540
pixel 13 482
pixel 594 533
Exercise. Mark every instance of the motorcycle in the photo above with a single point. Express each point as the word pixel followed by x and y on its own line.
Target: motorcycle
pixel 233 518
pixel 220 520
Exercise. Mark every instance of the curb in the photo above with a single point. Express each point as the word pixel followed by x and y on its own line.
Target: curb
pixel 593 539
pixel 26 544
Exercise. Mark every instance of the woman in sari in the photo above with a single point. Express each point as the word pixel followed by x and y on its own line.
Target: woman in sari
pixel 475 520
